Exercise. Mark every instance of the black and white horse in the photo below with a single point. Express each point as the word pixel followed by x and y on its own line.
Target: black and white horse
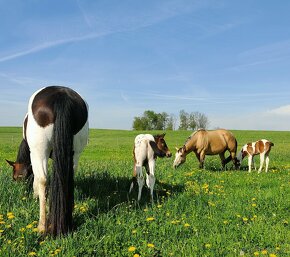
pixel 55 126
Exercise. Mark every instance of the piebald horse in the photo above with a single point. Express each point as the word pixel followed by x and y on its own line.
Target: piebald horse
pixel 55 126
pixel 261 147
pixel 203 142
pixel 145 152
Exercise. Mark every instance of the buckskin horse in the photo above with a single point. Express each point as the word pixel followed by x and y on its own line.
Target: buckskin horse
pixel 145 152
pixel 203 142
pixel 55 126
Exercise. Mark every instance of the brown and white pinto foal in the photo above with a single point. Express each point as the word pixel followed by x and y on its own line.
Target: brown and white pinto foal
pixel 262 147
pixel 56 125
pixel 145 152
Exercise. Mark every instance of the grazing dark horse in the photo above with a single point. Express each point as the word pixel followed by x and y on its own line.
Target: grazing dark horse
pixel 56 125
pixel 203 142
pixel 145 152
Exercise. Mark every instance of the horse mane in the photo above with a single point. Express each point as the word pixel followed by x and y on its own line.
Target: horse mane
pixel 193 134
pixel 23 155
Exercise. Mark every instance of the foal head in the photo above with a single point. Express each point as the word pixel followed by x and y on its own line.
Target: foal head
pixel 163 149
pixel 21 171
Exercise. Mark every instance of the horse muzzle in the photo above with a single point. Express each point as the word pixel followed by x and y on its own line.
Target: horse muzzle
pixel 168 154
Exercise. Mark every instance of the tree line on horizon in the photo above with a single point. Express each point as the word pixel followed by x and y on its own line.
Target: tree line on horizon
pixel 151 120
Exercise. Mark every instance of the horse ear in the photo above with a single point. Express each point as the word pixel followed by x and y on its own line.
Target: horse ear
pixel 11 163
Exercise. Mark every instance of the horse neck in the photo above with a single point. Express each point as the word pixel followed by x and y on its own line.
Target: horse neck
pixel 190 144
pixel 23 155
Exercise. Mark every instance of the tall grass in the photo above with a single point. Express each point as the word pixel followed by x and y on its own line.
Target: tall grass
pixel 195 213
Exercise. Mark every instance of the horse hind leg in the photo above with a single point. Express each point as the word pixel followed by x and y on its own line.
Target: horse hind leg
pixel 39 186
pixel 140 181
pixel 150 179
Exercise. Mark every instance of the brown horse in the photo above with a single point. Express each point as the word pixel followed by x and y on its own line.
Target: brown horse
pixel 203 142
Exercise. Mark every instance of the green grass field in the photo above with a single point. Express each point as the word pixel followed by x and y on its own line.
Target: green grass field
pixel 196 212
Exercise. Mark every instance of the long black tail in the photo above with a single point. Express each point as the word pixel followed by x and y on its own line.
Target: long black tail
pixel 62 181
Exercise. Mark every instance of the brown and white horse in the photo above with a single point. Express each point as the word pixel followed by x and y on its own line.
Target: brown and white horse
pixel 56 125
pixel 145 152
pixel 262 147
pixel 203 142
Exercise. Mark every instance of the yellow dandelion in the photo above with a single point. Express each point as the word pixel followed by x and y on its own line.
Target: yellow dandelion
pixel 264 252
pixel 207 246
pixel 22 229
pixel 134 231
pixel 41 243
pixel 136 255
pixel 35 230
pixel 256 253
pixel 56 251
pixel 226 222
pixel 11 216
pixel 159 206
pixel 150 218
pixel 32 254
pixel 151 245
pixel 245 219
pixel 1 230
pixel 9 213
pixel 186 225
pixel 29 226
pixel 145 210
pixel 272 255
pixel 254 199
pixel 131 248
pixel 254 205
pixel 2 222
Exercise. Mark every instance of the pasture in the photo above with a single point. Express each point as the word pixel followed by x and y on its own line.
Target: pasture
pixel 195 213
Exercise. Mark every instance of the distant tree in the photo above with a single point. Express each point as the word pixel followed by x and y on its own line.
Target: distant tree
pixel 192 123
pixel 201 120
pixel 163 121
pixel 183 120
pixel 151 121
pixel 170 124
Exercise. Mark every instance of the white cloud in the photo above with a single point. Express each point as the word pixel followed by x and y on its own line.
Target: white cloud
pixel 283 110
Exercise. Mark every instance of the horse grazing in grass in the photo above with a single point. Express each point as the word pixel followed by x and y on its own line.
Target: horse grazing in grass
pixel 145 152
pixel 203 142
pixel 262 147
pixel 56 126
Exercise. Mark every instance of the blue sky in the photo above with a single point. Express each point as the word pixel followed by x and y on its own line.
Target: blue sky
pixel 227 59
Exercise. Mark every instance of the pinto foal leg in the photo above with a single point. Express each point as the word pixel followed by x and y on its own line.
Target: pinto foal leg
pixel 140 180
pixel 150 179
pixel 262 158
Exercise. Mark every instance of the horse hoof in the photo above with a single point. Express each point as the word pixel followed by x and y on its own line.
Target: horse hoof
pixel 41 228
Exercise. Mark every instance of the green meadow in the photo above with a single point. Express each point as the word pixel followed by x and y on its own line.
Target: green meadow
pixel 195 212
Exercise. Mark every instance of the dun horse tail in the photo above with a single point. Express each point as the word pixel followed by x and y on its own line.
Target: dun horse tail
pixel 62 181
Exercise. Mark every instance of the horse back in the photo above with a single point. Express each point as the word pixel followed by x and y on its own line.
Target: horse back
pixel 221 140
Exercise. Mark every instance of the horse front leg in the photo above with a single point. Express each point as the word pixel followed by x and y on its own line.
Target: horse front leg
pixel 201 160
